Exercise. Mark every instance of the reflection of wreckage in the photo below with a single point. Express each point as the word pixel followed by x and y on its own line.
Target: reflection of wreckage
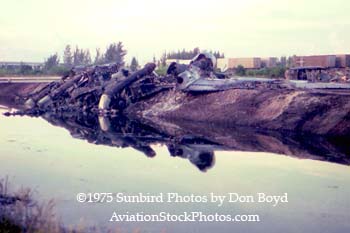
pixel 195 143
pixel 122 132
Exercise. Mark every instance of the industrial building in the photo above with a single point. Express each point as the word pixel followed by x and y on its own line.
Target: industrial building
pixel 14 65
pixel 246 62
pixel 269 62
pixel 314 61
pixel 321 61
pixel 342 60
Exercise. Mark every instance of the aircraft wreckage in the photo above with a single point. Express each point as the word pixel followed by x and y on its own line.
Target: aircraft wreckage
pixel 111 89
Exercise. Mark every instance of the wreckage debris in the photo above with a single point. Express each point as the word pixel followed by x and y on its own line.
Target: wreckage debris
pixel 113 89
pixel 100 88
pixel 80 87
pixel 109 89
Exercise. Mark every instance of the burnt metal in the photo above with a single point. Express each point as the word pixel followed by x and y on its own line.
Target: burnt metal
pixel 84 88
pixel 111 89
pixel 115 88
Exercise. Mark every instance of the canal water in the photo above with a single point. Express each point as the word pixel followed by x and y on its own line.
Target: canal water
pixel 60 157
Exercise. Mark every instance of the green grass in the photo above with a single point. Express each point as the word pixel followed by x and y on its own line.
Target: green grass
pixel 20 213
pixel 57 70
pixel 274 72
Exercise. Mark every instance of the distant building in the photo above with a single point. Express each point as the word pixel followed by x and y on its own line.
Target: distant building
pixel 283 61
pixel 246 62
pixel 342 60
pixel 269 62
pixel 296 62
pixel 231 63
pixel 15 65
pixel 322 61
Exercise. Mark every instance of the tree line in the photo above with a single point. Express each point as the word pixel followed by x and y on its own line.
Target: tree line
pixel 114 53
pixel 183 55
pixel 53 65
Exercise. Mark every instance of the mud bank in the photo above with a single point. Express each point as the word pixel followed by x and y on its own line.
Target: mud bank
pixel 301 111
pixel 298 111
pixel 11 94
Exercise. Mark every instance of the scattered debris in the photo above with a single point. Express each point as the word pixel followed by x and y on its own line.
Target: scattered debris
pixel 109 89
pixel 319 74
pixel 97 89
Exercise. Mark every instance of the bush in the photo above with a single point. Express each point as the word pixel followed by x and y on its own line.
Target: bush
pixel 277 72
pixel 57 70
pixel 240 70
pixel 274 72
pixel 20 213
pixel 2 72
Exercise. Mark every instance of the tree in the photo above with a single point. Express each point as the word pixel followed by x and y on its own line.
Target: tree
pixel 283 61
pixel 183 54
pixel 51 62
pixel 115 53
pixel 134 64
pixel 81 57
pixel 121 52
pixel 67 57
pixel 77 58
pixel 196 51
pixel 25 69
pixel 290 61
pixel 86 57
pixel 99 57
pixel 110 54
pixel 240 70
pixel 163 59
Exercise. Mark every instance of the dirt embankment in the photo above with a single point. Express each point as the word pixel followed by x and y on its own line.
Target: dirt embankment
pixel 11 93
pixel 297 111
pixel 272 109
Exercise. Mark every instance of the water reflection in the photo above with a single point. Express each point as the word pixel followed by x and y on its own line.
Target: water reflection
pixel 197 142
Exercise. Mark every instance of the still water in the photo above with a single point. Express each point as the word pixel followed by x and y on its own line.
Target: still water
pixel 60 157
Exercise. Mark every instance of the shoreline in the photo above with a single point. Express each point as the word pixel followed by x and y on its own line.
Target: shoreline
pixel 301 111
pixel 296 111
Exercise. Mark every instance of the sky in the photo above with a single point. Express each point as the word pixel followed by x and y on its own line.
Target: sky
pixel 31 30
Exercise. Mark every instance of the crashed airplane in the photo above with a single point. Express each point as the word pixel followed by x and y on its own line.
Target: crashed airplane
pixel 111 89
pixel 196 92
